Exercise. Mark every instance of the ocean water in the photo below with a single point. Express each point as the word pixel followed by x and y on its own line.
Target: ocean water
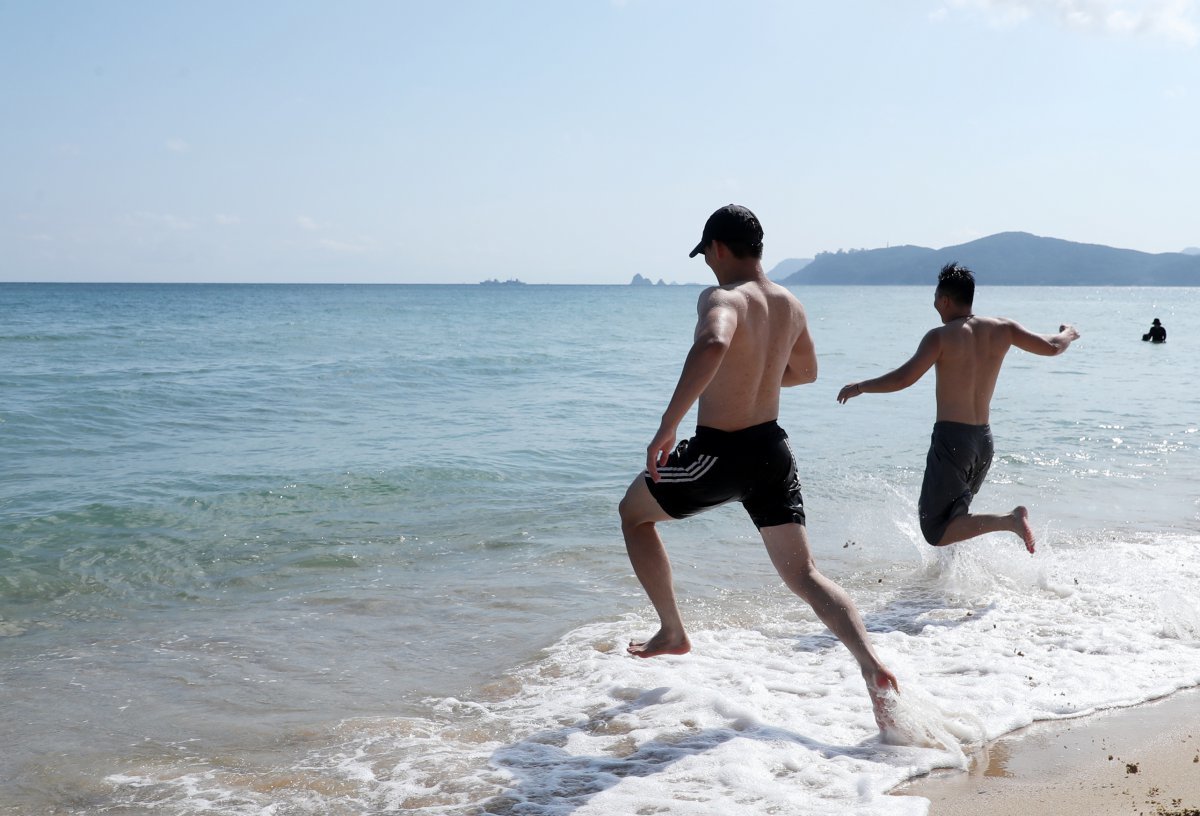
pixel 354 549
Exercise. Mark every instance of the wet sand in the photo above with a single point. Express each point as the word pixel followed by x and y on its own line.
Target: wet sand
pixel 1139 760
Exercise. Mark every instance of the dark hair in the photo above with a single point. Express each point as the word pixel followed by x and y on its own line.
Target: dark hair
pixel 743 249
pixel 957 283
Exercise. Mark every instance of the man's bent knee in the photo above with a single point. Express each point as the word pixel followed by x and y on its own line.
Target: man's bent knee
pixel 639 506
pixel 933 531
pixel 802 579
pixel 627 509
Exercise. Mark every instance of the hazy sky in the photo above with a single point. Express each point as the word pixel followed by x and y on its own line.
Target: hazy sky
pixel 579 141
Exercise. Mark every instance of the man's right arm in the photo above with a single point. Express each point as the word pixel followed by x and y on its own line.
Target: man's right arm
pixel 913 369
pixel 714 332
pixel 1047 345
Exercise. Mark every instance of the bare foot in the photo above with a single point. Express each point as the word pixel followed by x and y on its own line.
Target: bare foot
pixel 661 644
pixel 1021 517
pixel 882 685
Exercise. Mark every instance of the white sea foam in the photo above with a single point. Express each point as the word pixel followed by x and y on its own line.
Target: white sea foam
pixel 776 719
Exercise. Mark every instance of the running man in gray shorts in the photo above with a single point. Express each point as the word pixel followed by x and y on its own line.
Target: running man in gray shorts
pixel 966 352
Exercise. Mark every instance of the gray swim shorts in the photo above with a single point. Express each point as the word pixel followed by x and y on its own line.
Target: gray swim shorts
pixel 958 460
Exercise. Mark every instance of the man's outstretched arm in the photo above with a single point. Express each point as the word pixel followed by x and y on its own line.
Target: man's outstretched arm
pixel 902 377
pixel 1047 345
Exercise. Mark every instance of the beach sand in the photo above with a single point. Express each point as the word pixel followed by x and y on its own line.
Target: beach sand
pixel 1139 760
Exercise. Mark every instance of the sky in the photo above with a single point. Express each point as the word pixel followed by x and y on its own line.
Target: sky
pixel 579 141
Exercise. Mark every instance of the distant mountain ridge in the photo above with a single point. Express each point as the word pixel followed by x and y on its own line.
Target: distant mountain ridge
pixel 1007 258
pixel 787 267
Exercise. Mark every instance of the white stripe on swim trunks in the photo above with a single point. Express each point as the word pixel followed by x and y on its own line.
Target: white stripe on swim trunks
pixel 689 474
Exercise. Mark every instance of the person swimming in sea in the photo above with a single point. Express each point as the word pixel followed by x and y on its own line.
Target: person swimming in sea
pixel 1157 333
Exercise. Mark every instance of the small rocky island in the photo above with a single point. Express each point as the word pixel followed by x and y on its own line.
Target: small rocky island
pixel 498 282
pixel 638 280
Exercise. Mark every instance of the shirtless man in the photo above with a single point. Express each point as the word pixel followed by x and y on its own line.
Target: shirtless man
pixel 751 339
pixel 967 351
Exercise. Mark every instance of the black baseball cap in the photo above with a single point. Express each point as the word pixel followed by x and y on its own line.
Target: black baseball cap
pixel 732 224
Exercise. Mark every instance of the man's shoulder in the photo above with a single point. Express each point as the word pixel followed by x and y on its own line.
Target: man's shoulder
pixel 776 292
pixel 717 295
pixel 729 293
pixel 743 294
pixel 718 299
pixel 1001 328
pixel 977 323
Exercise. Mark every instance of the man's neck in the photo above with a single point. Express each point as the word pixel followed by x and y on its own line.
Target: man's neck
pixel 740 273
pixel 965 312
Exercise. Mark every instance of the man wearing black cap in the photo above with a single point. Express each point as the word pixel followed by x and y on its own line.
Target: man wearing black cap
pixel 751 340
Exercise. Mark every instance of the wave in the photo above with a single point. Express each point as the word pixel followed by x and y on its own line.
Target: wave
pixel 766 719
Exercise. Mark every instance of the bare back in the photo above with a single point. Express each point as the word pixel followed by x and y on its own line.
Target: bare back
pixel 770 331
pixel 970 353
pixel 966 351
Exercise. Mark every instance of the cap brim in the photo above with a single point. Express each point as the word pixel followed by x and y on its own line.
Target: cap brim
pixel 698 250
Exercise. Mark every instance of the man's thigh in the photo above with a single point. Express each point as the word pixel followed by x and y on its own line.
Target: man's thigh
pixel 639 505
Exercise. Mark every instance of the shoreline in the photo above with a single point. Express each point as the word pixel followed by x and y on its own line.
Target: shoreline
pixel 1143 759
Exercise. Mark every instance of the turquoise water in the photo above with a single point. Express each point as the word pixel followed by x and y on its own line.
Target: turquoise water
pixel 237 522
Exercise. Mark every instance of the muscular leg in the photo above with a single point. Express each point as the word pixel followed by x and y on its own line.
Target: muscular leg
pixel 639 513
pixel 787 544
pixel 961 528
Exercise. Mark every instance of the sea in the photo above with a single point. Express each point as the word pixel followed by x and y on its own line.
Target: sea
pixel 322 549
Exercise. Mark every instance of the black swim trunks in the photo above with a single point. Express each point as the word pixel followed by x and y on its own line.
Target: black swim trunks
pixel 958 460
pixel 754 466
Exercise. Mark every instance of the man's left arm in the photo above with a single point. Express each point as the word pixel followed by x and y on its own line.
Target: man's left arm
pixel 802 362
pixel 1046 345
